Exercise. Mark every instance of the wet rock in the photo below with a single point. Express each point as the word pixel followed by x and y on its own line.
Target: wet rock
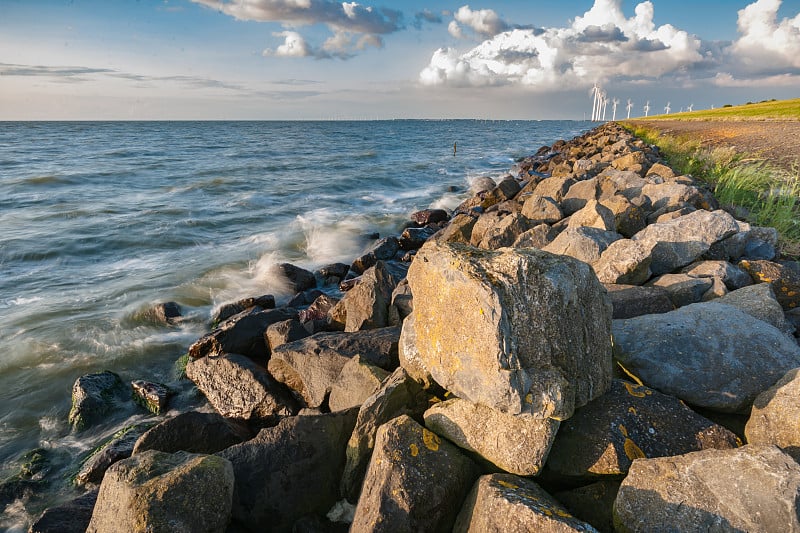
pixel 155 491
pixel 629 422
pixel 518 330
pixel 502 502
pixel 785 281
pixel 624 262
pixel 239 388
pixel 151 396
pixel 167 312
pixel 356 382
pixel 584 244
pixel 385 248
pixel 414 238
pixel 119 447
pixel 593 503
pixel 29 480
pixel 773 419
pixel 708 354
pixel 333 273
pixel 541 210
pixel 682 288
pixel 226 311
pixel 430 216
pixel 398 395
pixel 518 444
pixel 311 365
pixel 193 432
pixel 242 334
pixel 70 517
pixel 280 333
pixel 299 278
pixel 416 481
pixel 94 396
pixel 753 488
pixel 759 301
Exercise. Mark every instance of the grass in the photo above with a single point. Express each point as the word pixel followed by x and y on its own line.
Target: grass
pixel 761 194
pixel 769 110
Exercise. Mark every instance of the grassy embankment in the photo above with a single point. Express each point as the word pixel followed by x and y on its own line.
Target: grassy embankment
pixel 762 194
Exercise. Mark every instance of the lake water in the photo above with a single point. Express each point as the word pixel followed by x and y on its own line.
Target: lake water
pixel 101 220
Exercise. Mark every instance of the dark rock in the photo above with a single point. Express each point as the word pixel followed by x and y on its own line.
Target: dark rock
pixel 629 218
pixel 285 331
pixel 785 281
pixel 505 190
pixel 319 309
pixel 290 470
pixel 415 481
pixel 266 301
pixel 304 298
pixel 402 303
pixel 242 334
pixel 349 283
pixel 631 301
pixel 413 238
pixel 334 273
pixel 151 396
pixel 193 432
pixel 364 262
pixel 385 248
pixel 430 216
pixel 168 312
pixel 733 276
pixel 239 388
pixel 119 447
pixel 356 382
pixel 299 278
pixel 29 480
pixel 682 288
pixel 593 503
pixel 70 517
pixel 502 502
pixel 93 397
pixel 759 301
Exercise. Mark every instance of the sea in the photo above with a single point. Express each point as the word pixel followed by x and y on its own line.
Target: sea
pixel 100 221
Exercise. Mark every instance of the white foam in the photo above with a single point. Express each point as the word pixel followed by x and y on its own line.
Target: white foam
pixel 328 240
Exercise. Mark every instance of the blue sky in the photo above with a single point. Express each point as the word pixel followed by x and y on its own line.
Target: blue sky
pixel 320 59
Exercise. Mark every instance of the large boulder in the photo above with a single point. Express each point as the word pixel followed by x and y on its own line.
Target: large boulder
pixel 299 279
pixel 310 366
pixel 708 354
pixel 759 301
pixel 265 301
pixel 680 241
pixel 70 517
pixel 357 381
pixel 505 232
pixel 238 387
pixel 785 281
pixel 194 432
pixel 502 502
pixel 289 470
pixel 366 306
pixel 628 422
pixel 242 333
pixel 775 413
pixel 630 301
pixel 753 488
pixel 416 481
pixel 94 396
pixel 624 262
pixel 583 243
pixel 518 444
pixel 161 492
pixel 594 215
pixel 517 330
pixel 119 447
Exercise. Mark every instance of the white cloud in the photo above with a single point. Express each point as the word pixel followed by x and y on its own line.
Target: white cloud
pixel 726 80
pixel 767 45
pixel 484 22
pixel 294 45
pixel 600 45
pixel 455 30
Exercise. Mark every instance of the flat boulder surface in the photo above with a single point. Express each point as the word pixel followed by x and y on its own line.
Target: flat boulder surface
pixel 502 502
pixel 193 432
pixel 753 488
pixel 708 354
pixel 628 422
pixel 416 481
pixel 517 330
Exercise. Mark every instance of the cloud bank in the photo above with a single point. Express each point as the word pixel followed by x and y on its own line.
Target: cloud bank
pixel 603 45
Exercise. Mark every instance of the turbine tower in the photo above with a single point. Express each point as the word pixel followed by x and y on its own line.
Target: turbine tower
pixel 595 91
pixel 690 107
pixel 667 108
pixel 604 96
pixel 647 108
pixel 615 103
pixel 629 107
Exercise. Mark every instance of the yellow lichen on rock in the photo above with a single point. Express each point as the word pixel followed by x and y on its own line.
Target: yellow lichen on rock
pixel 431 440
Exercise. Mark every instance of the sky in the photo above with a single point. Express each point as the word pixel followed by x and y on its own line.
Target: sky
pixel 381 59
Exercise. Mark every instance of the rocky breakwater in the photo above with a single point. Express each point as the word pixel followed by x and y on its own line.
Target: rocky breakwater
pixel 590 344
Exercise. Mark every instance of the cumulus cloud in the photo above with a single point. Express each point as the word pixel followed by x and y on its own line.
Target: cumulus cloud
pixel 766 44
pixel 354 26
pixel 597 46
pixel 484 22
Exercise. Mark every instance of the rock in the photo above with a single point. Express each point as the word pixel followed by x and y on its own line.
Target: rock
pixel 266 301
pixel 518 330
pixel 584 244
pixel 671 212
pixel 30 479
pixel 415 481
pixel 629 422
pixel 682 288
pixel 192 432
pixel 785 281
pixel 484 223
pixel 661 170
pixel 362 263
pixel 430 216
pixel 414 238
pixel 70 517
pixel 280 333
pixel 385 248
pixel 410 359
pixel 366 306
pixel 759 301
pixel 356 382
pixel 593 503
pixel 518 444
pixel 398 395
pixel 612 182
pixel 505 232
pixel 629 218
pixel 402 303
pixel 541 210
pixel 333 274
pixel 672 195
pixel 773 419
pixel 242 333
pixel 624 262
pixel 151 396
pixel 537 237
pixel 299 279
pixel 680 241
pixel 505 190
pixel 578 195
pixel 708 354
pixel 160 492
pixel 167 312
pixel 761 244
pixel 502 502
pixel 289 470
pixel 482 184
pixel 630 301
pixel 630 161
pixel 593 215
pixel 311 365
pixel 239 388
pixel 318 310
pixel 555 188
pixel 458 230
pixel 753 488
pixel 93 397
pixel 733 276
pixel 119 447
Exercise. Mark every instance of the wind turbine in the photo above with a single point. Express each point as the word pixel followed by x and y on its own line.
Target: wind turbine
pixel 667 108
pixel 595 91
pixel 629 107
pixel 615 103
pixel 604 96
pixel 690 107
pixel 647 108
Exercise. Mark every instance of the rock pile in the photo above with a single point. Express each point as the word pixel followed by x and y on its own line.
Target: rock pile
pixel 462 376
